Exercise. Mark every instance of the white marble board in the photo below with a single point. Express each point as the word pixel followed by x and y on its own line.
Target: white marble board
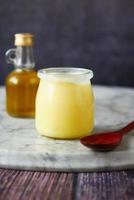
pixel 22 148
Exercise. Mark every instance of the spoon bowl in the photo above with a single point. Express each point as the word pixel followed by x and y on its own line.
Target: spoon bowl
pixel 106 141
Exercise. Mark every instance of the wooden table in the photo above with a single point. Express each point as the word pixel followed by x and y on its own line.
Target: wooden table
pixel 28 185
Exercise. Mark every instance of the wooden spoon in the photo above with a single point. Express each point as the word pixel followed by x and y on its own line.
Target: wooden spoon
pixel 106 141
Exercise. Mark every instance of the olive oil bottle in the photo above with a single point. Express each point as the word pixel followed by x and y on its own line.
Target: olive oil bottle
pixel 22 82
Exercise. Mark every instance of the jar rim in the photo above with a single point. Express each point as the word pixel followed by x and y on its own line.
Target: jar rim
pixel 61 71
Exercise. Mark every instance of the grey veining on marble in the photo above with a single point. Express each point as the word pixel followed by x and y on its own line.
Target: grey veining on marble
pixel 22 148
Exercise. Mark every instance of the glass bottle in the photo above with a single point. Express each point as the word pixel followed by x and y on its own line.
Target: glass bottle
pixel 22 82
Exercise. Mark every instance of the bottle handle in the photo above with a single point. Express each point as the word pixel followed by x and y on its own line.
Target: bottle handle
pixel 10 56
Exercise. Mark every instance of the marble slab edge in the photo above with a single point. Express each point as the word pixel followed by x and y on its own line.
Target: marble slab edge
pixel 57 163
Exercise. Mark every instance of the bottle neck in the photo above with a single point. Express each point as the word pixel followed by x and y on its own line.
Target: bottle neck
pixel 24 58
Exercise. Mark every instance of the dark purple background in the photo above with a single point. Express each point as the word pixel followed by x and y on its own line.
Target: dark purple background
pixel 96 34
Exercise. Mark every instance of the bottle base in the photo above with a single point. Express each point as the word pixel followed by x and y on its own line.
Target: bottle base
pixel 25 115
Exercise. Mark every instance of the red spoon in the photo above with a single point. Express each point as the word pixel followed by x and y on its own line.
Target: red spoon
pixel 106 141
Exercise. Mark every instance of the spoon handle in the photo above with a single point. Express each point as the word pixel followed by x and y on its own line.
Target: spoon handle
pixel 127 128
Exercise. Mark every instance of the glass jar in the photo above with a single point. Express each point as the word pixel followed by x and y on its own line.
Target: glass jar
pixel 65 103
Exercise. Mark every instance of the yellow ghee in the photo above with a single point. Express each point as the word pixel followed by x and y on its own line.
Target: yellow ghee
pixel 64 109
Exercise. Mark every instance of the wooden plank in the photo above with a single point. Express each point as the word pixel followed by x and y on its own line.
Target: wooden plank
pixel 16 185
pixel 106 185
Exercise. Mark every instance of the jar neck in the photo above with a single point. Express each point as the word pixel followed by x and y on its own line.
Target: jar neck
pixel 24 58
pixel 66 74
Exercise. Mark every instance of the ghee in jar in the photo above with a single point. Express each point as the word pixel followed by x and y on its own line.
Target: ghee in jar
pixel 65 103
